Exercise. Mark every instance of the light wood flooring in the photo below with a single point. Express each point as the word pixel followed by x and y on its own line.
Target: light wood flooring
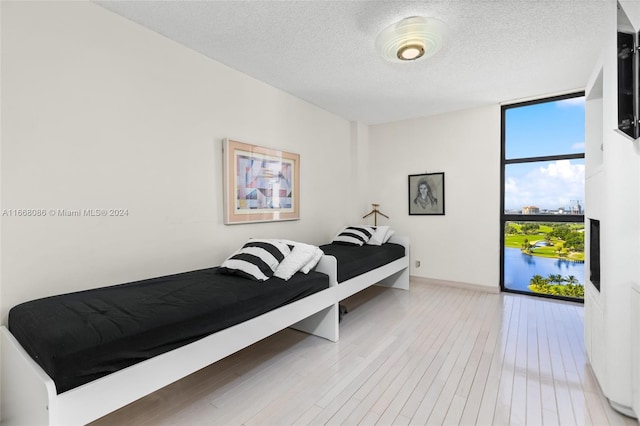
pixel 432 355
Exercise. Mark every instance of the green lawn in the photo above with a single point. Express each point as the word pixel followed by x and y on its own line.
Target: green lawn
pixel 516 241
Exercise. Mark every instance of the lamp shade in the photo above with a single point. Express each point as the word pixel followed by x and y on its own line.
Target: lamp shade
pixel 410 39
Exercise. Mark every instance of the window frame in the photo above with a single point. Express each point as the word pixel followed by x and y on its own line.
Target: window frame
pixel 504 218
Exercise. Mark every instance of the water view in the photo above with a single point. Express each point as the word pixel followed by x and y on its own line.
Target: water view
pixel 545 257
pixel 519 268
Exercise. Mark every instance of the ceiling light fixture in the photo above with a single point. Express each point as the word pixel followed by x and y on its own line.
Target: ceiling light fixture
pixel 410 39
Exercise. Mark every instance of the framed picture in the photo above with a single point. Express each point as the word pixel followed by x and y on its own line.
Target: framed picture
pixel 426 194
pixel 260 184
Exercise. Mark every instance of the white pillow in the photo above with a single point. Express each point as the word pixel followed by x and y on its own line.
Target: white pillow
pixel 300 255
pixel 355 235
pixel 378 237
pixel 256 260
pixel 313 262
pixel 389 234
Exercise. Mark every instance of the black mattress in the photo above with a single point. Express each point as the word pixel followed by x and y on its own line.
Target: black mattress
pixel 79 337
pixel 356 260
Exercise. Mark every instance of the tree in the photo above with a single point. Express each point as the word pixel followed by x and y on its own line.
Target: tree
pixel 555 278
pixel 558 248
pixel 572 280
pixel 537 280
pixel 530 228
pixel 510 229
pixel 538 284
pixel 553 284
pixel 575 241
pixel 561 231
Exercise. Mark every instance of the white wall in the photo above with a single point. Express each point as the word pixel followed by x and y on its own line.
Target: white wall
pixel 360 169
pixel 99 112
pixel 463 245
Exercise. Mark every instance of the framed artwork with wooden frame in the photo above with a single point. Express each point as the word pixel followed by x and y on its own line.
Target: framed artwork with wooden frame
pixel 426 194
pixel 260 184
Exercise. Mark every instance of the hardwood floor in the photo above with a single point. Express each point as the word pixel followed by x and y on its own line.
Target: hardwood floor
pixel 433 355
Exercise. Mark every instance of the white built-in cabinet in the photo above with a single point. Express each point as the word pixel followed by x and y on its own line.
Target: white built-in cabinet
pixel 612 173
pixel 594 171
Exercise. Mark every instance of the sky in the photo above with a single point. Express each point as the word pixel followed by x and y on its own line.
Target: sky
pixel 550 128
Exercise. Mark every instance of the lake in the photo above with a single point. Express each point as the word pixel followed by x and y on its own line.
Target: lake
pixel 519 268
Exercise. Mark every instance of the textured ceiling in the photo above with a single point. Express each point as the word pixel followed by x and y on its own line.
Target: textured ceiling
pixel 324 51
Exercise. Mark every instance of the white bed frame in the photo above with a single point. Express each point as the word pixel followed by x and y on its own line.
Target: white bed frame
pixel 29 395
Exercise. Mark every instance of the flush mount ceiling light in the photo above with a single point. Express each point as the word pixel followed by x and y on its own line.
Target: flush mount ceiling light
pixel 410 39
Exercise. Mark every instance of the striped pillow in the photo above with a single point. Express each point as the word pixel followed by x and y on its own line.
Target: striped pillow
pixel 256 260
pixel 354 235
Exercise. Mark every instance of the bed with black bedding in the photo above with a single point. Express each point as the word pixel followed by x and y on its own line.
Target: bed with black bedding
pixel 73 358
pixel 359 267
pixel 357 260
pixel 79 337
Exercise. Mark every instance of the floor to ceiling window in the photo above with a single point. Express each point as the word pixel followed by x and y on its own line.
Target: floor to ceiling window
pixel 543 197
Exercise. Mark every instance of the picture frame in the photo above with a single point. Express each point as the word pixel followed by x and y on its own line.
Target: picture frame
pixel 260 184
pixel 426 194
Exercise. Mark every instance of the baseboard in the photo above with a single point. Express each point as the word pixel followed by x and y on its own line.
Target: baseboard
pixel 456 284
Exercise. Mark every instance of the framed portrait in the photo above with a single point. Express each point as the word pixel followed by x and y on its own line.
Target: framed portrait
pixel 426 194
pixel 260 184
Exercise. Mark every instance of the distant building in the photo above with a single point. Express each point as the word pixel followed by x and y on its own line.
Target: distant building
pixel 576 208
pixel 530 210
